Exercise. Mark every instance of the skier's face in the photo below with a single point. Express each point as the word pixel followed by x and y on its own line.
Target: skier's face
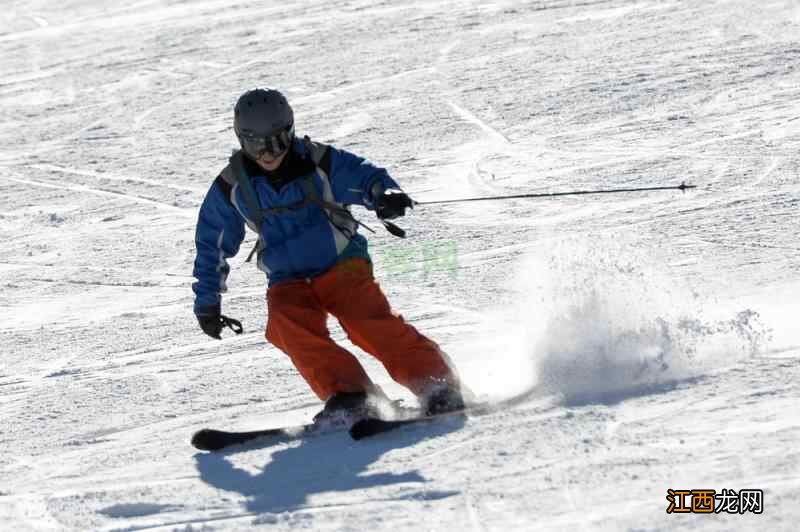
pixel 270 162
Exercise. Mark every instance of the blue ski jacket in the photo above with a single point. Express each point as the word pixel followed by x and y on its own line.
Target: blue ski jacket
pixel 297 243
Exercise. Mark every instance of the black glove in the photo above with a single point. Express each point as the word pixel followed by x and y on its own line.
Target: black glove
pixel 212 325
pixel 393 204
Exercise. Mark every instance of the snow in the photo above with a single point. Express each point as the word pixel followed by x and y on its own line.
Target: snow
pixel 659 328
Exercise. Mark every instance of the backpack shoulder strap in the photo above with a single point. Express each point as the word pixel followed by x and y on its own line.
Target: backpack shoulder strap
pixel 320 154
pixel 227 175
pixel 236 173
pixel 317 152
pixel 339 215
pixel 310 189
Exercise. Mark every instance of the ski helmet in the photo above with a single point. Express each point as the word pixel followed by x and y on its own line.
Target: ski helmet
pixel 264 122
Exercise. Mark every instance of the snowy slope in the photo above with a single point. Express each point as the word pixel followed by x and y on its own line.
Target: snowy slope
pixel 660 328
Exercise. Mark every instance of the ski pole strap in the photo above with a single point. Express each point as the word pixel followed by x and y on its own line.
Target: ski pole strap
pixel 234 325
pixel 335 209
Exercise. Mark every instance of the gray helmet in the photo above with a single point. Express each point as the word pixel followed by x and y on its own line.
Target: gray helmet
pixel 264 122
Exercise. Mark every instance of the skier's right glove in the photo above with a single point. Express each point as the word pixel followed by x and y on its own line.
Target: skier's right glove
pixel 213 324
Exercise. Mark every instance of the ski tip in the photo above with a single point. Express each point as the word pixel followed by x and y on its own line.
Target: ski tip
pixel 204 439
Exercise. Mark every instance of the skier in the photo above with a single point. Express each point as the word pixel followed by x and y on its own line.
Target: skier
pixel 295 194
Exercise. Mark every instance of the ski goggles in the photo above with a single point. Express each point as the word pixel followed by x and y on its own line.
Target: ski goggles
pixel 257 145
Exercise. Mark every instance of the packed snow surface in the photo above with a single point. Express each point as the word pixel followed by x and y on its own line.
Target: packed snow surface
pixel 658 329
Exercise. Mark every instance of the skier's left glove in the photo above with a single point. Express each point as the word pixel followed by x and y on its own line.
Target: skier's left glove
pixel 392 204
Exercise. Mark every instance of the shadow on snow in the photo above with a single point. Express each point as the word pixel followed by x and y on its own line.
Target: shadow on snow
pixel 613 397
pixel 329 463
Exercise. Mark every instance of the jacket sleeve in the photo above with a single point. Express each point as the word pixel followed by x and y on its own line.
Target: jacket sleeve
pixel 219 233
pixel 355 180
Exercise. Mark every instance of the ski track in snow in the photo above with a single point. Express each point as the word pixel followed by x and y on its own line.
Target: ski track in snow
pixel 661 327
pixel 99 192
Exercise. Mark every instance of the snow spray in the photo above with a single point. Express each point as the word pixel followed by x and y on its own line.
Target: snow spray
pixel 601 321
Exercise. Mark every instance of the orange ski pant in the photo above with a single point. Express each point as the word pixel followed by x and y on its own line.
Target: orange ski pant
pixel 297 325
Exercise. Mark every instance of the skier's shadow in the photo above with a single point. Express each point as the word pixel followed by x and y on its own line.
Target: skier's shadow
pixel 328 463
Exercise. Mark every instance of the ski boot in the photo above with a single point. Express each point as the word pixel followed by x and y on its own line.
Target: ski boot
pixel 442 400
pixel 344 409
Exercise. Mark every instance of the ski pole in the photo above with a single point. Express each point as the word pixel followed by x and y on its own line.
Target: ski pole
pixel 399 232
pixel 682 187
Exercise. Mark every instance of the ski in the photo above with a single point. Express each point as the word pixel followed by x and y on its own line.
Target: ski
pixel 371 426
pixel 216 440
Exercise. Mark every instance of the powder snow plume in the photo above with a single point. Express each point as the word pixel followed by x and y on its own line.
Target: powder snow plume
pixel 597 321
